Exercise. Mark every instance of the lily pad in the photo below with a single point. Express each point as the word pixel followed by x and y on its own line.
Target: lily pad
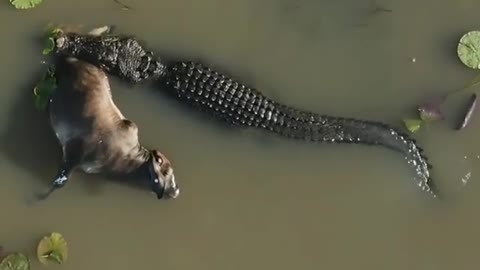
pixel 413 125
pixel 25 4
pixel 52 248
pixel 44 89
pixel 468 49
pixel 15 261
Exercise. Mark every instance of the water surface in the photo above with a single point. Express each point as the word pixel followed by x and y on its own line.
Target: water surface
pixel 251 200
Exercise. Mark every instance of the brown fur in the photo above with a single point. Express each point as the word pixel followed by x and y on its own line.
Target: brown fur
pixel 94 134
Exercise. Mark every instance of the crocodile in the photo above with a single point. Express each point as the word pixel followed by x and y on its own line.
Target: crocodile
pixel 223 97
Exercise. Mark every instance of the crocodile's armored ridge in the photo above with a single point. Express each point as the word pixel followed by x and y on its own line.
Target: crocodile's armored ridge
pixel 222 96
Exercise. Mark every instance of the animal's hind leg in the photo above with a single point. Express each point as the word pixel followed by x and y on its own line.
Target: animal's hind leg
pixel 72 156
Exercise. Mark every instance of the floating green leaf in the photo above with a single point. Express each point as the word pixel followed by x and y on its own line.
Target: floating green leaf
pixel 44 89
pixel 468 49
pixel 54 32
pixel 25 4
pixel 52 248
pixel 49 46
pixel 51 35
pixel 15 261
pixel 413 125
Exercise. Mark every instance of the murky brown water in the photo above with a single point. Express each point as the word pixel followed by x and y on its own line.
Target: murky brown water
pixel 251 200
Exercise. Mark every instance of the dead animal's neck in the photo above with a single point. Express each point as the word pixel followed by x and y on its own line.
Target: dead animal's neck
pixel 142 156
pixel 137 159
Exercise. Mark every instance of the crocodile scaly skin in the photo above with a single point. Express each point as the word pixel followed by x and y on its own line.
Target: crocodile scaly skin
pixel 225 98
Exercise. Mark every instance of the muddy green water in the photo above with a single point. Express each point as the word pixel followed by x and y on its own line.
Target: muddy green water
pixel 251 200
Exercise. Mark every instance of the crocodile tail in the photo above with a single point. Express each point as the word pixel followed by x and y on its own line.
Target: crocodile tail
pixel 238 104
pixel 320 128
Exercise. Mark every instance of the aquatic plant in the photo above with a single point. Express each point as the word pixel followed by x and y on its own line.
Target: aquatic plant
pixel 413 125
pixel 45 88
pixel 51 35
pixel 48 83
pixel 15 261
pixel 51 248
pixel 28 4
pixel 25 4
pixel 468 51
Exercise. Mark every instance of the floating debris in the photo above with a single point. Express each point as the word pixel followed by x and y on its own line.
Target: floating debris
pixel 466 178
pixel 430 112
pixel 124 7
pixel 469 113
pixel 101 30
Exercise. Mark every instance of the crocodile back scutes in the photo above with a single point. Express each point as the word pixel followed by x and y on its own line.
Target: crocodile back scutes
pixel 227 99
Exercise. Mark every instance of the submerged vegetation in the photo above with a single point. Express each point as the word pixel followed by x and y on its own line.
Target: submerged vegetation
pixel 468 51
pixel 45 88
pixel 51 248
pixel 51 35
pixel 48 83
